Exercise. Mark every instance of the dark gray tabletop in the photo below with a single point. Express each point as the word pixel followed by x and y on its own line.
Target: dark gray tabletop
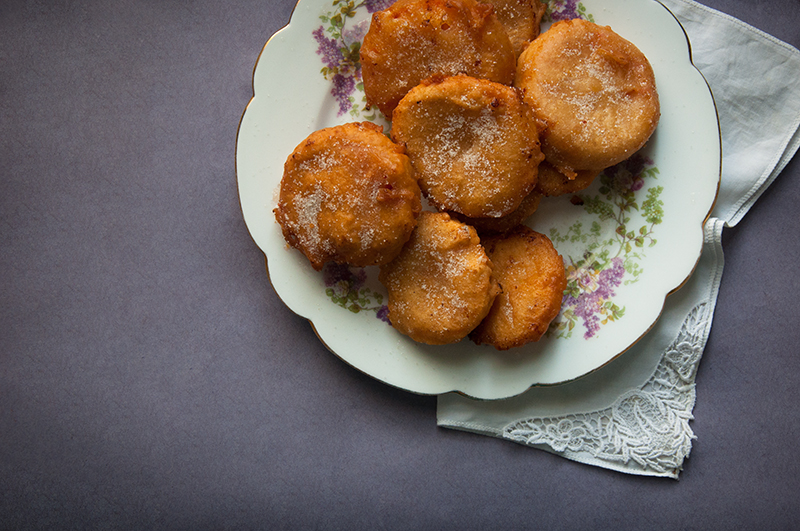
pixel 151 378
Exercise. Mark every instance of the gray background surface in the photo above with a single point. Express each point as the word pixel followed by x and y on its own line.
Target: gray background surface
pixel 150 377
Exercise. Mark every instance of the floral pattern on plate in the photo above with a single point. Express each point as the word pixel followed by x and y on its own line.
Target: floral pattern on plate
pixel 556 10
pixel 338 46
pixel 347 287
pixel 614 244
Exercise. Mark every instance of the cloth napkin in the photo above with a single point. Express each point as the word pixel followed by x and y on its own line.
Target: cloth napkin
pixel 633 415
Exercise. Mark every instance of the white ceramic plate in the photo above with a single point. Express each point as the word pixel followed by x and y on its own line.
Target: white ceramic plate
pixel 635 239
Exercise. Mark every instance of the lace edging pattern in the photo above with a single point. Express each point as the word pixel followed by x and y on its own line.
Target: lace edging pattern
pixel 647 426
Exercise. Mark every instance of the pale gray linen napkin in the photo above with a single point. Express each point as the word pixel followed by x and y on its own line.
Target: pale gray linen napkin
pixel 633 415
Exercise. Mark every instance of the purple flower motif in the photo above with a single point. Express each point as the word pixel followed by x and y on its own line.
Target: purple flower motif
pixel 338 46
pixel 328 49
pixel 586 310
pixel 635 166
pixel 621 180
pixel 383 314
pixel 610 278
pixel 596 289
pixel 569 301
pixel 358 278
pixel 627 176
pixel 592 325
pixel 335 273
pixel 339 66
pixel 343 87
pixel 586 307
pixel 592 286
pixel 377 5
pixel 563 10
pixel 356 33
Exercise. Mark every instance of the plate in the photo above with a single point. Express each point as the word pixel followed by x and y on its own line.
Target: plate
pixel 628 241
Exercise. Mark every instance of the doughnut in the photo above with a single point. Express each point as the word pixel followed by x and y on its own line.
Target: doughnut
pixel 348 195
pixel 414 39
pixel 532 278
pixel 552 182
pixel 521 18
pixel 594 92
pixel 473 142
pixel 441 285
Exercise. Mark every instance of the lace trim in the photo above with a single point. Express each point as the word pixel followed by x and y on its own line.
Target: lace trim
pixel 647 426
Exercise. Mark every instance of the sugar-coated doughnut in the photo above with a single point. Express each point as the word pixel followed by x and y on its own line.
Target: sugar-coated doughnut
pixel 348 195
pixel 474 144
pixel 521 18
pixel 593 90
pixel 441 285
pixel 532 278
pixel 414 39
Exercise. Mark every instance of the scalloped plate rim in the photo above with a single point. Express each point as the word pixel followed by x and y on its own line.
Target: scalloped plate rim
pixel 245 132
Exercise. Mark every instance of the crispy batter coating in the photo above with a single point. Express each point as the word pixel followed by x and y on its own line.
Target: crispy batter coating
pixel 473 142
pixel 532 277
pixel 552 182
pixel 348 195
pixel 441 285
pixel 521 18
pixel 414 39
pixel 490 226
pixel 594 91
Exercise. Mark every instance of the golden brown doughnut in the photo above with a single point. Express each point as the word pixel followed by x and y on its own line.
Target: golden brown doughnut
pixel 414 39
pixel 521 18
pixel 532 278
pixel 348 195
pixel 474 144
pixel 441 285
pixel 594 91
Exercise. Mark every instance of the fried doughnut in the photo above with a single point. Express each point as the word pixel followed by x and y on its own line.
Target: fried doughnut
pixel 594 91
pixel 414 39
pixel 552 182
pixel 521 18
pixel 531 274
pixel 348 195
pixel 488 226
pixel 474 144
pixel 441 285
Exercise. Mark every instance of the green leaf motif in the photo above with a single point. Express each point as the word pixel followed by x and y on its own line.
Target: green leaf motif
pixel 613 245
pixel 653 206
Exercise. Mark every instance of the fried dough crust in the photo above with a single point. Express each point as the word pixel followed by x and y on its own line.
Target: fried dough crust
pixel 552 182
pixel 593 90
pixel 474 144
pixel 521 18
pixel 532 277
pixel 441 285
pixel 348 195
pixel 414 39
pixel 491 226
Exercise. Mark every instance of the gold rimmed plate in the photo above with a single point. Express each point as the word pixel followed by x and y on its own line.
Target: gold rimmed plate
pixel 628 241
